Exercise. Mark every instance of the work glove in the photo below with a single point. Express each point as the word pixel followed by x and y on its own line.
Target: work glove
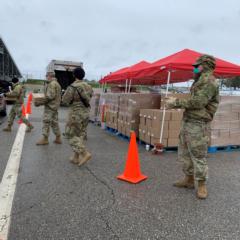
pixel 170 102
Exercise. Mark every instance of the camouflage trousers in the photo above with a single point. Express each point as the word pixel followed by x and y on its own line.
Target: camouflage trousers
pixel 50 119
pixel 17 111
pixel 75 131
pixel 192 149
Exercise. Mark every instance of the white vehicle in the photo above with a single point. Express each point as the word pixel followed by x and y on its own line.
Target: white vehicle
pixel 63 71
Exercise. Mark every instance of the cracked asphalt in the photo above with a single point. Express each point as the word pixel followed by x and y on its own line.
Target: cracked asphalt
pixel 57 200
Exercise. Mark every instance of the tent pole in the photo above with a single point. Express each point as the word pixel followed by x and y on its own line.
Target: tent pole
pixel 126 85
pixel 105 87
pixel 129 88
pixel 164 108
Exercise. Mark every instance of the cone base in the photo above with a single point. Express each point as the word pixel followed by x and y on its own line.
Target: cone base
pixel 132 180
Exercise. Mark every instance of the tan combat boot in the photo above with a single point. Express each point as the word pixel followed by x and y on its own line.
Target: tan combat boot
pixel 8 128
pixel 202 190
pixel 43 141
pixel 75 158
pixel 29 128
pixel 58 140
pixel 187 182
pixel 86 157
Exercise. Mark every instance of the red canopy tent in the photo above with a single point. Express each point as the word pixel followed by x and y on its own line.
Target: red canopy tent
pixel 177 67
pixel 124 73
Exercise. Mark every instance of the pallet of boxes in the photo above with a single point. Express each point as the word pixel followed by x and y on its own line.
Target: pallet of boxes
pixel 121 110
pixel 225 127
pixel 151 122
pixel 111 110
pixel 94 103
pixel 129 110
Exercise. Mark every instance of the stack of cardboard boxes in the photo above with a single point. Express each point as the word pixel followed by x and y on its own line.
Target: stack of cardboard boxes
pixel 151 125
pixel 225 127
pixel 129 110
pixel 111 110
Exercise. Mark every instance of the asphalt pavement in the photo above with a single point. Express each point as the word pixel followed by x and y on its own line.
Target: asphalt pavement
pixel 57 200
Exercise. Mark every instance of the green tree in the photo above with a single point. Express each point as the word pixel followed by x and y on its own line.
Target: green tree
pixel 232 82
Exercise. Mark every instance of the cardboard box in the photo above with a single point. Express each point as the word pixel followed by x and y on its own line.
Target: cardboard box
pixel 220 124
pixel 226 116
pixel 235 124
pixel 149 122
pixel 142 136
pixel 147 139
pixel 174 133
pixel 177 115
pixel 158 125
pixel 144 129
pixel 158 114
pixel 235 108
pixel 155 133
pixel 142 120
pixel 174 125
pixel 173 142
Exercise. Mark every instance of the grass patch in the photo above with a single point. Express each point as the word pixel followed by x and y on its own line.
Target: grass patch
pixel 35 81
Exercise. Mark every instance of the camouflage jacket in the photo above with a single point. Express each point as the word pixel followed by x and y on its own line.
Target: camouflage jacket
pixel 76 94
pixel 17 92
pixel 52 93
pixel 204 99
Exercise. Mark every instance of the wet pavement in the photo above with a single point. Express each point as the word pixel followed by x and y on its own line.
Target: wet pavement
pixel 57 200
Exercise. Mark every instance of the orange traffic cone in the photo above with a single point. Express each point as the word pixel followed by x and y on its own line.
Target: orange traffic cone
pixel 29 109
pixel 30 96
pixel 132 172
pixel 23 114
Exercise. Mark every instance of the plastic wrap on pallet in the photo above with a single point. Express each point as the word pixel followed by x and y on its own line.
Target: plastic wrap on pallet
pixel 93 115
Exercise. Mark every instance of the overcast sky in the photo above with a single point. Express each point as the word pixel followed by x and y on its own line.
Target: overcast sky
pixel 109 34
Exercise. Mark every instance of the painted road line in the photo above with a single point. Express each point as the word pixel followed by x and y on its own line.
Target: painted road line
pixel 9 182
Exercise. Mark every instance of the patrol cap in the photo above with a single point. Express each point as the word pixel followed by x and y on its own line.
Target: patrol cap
pixel 205 58
pixel 79 73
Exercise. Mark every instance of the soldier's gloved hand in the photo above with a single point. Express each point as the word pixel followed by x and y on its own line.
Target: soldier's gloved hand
pixel 170 102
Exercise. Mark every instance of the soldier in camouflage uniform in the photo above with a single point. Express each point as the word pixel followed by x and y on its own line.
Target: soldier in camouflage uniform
pixel 18 93
pixel 78 95
pixel 51 104
pixel 195 130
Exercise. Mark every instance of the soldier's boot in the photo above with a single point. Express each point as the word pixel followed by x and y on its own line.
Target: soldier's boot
pixel 29 128
pixel 75 158
pixel 86 157
pixel 58 140
pixel 8 128
pixel 187 182
pixel 202 190
pixel 43 141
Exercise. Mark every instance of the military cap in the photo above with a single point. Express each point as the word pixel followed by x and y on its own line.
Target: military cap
pixel 210 60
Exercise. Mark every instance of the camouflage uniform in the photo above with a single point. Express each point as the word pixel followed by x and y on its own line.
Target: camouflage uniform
pixel 78 115
pixel 195 129
pixel 52 93
pixel 18 93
